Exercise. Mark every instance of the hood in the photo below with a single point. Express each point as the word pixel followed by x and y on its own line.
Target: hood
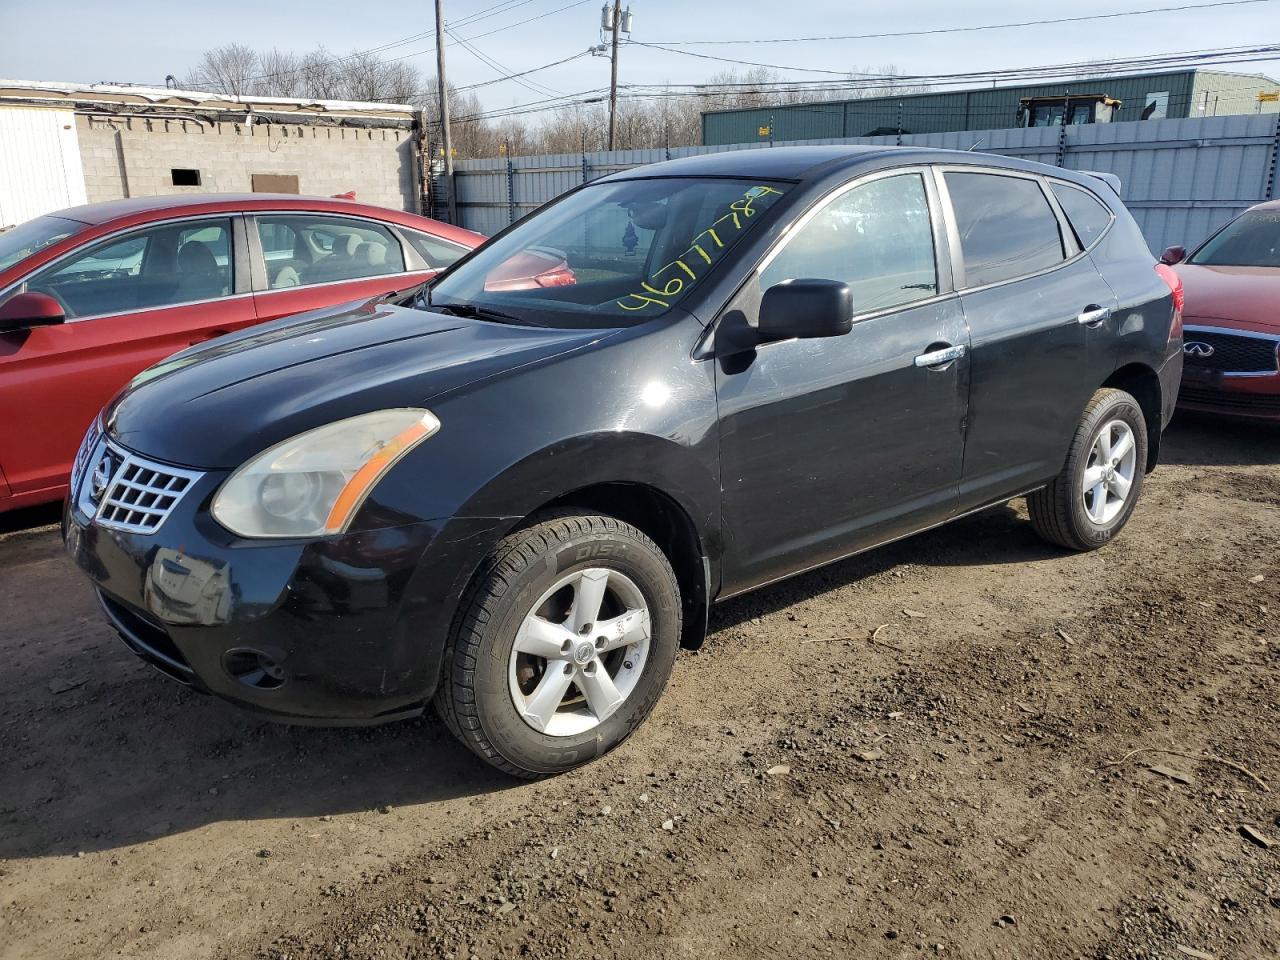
pixel 216 405
pixel 1248 295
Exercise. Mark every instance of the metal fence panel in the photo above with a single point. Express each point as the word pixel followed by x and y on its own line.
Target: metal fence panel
pixel 1182 179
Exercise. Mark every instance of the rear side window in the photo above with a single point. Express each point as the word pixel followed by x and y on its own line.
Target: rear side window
pixel 1007 228
pixel 305 249
pixel 1088 215
pixel 438 253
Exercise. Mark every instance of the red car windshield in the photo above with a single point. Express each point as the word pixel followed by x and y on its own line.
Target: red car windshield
pixel 1251 240
pixel 27 238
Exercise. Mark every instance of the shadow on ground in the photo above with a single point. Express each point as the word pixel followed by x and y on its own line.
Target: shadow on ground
pixel 98 752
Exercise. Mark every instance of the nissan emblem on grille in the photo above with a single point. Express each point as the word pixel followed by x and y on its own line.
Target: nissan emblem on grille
pixel 102 473
pixel 130 493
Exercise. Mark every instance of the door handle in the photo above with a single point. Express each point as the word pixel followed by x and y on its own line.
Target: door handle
pixel 935 358
pixel 1093 315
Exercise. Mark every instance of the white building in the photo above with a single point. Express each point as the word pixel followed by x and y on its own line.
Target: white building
pixel 63 144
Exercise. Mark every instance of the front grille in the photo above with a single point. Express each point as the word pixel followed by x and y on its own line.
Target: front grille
pixel 1229 352
pixel 124 491
pixel 1268 403
pixel 146 638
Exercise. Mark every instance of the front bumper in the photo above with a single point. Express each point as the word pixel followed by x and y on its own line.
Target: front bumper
pixel 1254 398
pixel 350 629
pixel 1233 383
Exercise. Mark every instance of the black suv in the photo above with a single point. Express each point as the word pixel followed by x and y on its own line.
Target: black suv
pixel 518 492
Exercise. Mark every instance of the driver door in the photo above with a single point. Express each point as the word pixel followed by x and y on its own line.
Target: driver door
pixel 832 445
pixel 129 304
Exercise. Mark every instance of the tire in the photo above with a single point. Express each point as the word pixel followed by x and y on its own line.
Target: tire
pixel 1070 513
pixel 548 572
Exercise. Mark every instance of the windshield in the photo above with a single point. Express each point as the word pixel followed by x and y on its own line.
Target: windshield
pixel 612 254
pixel 1251 240
pixel 26 238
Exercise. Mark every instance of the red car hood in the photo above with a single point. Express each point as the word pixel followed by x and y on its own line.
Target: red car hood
pixel 1250 296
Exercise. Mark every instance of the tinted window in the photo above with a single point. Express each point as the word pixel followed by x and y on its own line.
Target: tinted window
pixel 156 267
pixel 1251 240
pixel 1088 216
pixel 1007 228
pixel 303 249
pixel 876 238
pixel 438 253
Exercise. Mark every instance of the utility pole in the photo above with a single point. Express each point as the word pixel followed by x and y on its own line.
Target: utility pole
pixel 446 136
pixel 615 28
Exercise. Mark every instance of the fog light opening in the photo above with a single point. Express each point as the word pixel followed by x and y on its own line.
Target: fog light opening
pixel 254 668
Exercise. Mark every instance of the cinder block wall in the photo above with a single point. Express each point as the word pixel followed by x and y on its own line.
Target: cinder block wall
pixel 135 157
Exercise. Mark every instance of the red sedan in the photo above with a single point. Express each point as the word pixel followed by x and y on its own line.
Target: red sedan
pixel 92 295
pixel 1231 344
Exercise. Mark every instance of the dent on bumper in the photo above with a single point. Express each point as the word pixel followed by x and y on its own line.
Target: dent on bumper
pixel 355 624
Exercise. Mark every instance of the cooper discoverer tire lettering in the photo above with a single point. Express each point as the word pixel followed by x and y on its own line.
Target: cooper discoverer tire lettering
pixel 562 645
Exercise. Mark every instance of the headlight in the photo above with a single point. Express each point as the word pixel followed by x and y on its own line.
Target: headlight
pixel 313 484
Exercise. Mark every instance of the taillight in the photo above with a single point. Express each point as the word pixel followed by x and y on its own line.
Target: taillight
pixel 560 277
pixel 1170 276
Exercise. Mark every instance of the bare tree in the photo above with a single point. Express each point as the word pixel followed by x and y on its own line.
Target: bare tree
pixel 227 69
pixel 661 118
pixel 278 74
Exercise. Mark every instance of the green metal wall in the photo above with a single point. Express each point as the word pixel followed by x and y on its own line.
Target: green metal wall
pixel 978 109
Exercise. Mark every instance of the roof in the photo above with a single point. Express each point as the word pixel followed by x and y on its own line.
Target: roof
pixel 163 98
pixel 108 211
pixel 804 162
pixel 781 163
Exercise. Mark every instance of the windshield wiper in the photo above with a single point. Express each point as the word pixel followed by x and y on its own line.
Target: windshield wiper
pixel 481 313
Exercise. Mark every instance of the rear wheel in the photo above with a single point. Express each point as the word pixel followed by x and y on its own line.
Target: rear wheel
pixel 1090 501
pixel 562 646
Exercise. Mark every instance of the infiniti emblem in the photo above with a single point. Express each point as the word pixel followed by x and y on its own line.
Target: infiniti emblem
pixel 1198 348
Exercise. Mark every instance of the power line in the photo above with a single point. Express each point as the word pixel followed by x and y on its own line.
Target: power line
pixel 522 73
pixel 503 73
pixel 1169 60
pixel 986 26
pixel 486 13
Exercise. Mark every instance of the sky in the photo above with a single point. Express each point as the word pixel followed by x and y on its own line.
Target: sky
pixel 141 42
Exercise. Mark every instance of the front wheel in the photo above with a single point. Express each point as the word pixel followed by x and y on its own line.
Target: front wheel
pixel 1092 498
pixel 562 645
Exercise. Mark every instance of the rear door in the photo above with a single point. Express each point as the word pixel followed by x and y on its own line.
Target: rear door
pixel 306 261
pixel 1042 324
pixel 831 445
pixel 131 299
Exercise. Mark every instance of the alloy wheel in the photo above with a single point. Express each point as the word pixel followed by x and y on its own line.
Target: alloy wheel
pixel 1108 476
pixel 579 652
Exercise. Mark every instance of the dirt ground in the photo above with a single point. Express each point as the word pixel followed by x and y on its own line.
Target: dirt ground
pixel 964 784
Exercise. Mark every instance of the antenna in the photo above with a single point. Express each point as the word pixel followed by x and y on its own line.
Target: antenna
pixel 976 144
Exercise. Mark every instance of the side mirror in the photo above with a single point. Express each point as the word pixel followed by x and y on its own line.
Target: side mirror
pixel 805 309
pixel 30 310
pixel 1173 255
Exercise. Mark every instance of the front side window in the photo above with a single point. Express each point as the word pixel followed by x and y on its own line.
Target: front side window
pixel 1088 216
pixel 1007 228
pixel 304 249
pixel 611 254
pixel 1251 240
pixel 876 237
pixel 158 266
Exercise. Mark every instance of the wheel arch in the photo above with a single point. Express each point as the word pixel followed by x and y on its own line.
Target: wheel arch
pixel 662 518
pixel 1142 382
